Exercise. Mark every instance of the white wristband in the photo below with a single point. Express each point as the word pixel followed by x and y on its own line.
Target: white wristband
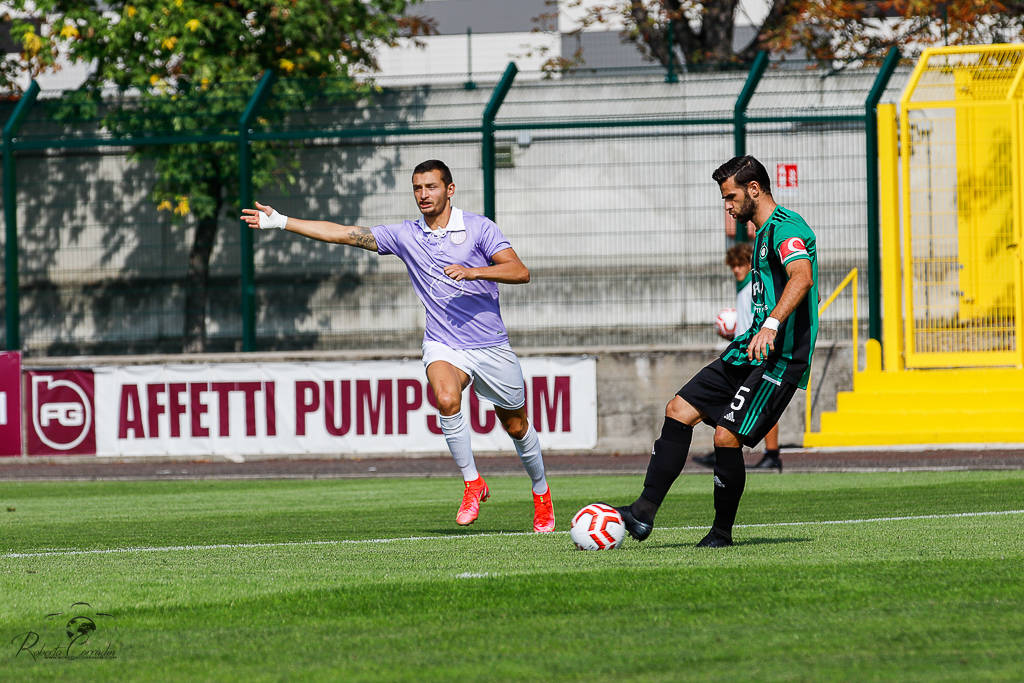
pixel 274 220
pixel 771 324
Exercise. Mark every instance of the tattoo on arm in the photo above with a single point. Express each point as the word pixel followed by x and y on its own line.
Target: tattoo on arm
pixel 363 238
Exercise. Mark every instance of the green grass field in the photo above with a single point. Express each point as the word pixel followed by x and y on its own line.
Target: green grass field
pixel 908 576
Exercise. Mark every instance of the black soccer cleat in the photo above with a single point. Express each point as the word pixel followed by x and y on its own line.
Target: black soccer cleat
pixel 715 539
pixel 768 462
pixel 637 529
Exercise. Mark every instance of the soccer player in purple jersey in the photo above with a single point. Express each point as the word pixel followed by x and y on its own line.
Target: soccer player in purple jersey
pixel 455 260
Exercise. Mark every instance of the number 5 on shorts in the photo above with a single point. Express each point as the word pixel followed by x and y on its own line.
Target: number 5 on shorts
pixel 739 399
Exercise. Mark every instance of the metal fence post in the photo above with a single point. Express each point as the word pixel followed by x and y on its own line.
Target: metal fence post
pixel 12 295
pixel 245 196
pixel 739 117
pixel 892 60
pixel 670 75
pixel 739 110
pixel 487 132
pixel 889 227
pixel 470 84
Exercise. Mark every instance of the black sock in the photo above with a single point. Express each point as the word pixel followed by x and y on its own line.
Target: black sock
pixel 730 478
pixel 667 460
pixel 772 453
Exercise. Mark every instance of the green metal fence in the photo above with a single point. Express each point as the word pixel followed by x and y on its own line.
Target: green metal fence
pixel 602 184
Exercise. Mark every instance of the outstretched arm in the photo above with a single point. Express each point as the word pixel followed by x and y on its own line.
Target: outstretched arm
pixel 264 217
pixel 507 268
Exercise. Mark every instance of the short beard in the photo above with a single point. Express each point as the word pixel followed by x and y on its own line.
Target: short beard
pixel 748 208
pixel 440 210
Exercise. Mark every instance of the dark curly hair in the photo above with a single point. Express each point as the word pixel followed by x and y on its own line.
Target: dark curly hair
pixel 744 169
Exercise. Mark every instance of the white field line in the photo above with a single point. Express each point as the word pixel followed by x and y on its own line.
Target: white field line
pixel 368 541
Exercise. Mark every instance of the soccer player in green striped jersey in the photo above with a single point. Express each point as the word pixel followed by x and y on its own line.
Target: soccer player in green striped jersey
pixel 743 392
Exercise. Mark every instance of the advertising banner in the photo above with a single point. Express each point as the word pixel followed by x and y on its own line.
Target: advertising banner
pixel 10 403
pixel 329 408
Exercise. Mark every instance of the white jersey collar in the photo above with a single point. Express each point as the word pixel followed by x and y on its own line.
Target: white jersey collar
pixel 456 223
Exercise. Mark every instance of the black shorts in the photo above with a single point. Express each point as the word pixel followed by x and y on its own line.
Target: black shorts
pixel 739 398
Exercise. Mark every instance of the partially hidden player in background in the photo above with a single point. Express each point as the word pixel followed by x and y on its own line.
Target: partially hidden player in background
pixel 455 260
pixel 739 259
pixel 743 392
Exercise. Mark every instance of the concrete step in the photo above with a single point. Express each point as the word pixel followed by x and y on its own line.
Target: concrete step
pixel 929 400
pixel 911 381
pixel 897 438
pixel 924 421
pixel 958 405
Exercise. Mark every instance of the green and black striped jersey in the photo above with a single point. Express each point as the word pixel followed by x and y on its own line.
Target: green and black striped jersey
pixel 783 238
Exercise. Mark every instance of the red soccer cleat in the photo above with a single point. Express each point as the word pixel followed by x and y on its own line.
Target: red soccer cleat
pixel 543 512
pixel 476 493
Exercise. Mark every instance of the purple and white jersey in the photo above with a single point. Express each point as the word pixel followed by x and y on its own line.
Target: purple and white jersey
pixel 463 315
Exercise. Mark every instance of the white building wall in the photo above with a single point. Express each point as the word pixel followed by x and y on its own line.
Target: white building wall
pixel 451 58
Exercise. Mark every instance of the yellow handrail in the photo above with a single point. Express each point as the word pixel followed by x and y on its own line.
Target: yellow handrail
pixel 850 279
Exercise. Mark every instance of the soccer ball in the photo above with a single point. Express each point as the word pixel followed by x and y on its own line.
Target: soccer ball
pixel 598 526
pixel 725 323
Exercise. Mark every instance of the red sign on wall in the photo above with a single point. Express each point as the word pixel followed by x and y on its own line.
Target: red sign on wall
pixel 785 175
pixel 61 412
pixel 10 403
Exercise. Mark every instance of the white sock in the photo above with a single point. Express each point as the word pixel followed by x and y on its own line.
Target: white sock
pixel 528 449
pixel 456 433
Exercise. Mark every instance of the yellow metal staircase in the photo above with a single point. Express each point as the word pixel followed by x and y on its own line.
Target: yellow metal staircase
pixel 963 405
pixel 951 190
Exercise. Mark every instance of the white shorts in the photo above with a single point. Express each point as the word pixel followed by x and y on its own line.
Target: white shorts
pixel 493 371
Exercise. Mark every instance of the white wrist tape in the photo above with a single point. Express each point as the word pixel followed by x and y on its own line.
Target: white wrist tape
pixel 274 220
pixel 771 324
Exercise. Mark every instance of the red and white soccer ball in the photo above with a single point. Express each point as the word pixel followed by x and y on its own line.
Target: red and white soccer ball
pixel 725 323
pixel 598 526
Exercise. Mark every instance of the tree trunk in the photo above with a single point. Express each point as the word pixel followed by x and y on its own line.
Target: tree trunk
pixel 714 44
pixel 711 44
pixel 198 277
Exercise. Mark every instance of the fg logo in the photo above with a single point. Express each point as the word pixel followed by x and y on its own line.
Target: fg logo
pixel 62 413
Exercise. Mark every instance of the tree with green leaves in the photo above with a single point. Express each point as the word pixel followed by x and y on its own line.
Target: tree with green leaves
pixel 189 67
pixel 701 32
